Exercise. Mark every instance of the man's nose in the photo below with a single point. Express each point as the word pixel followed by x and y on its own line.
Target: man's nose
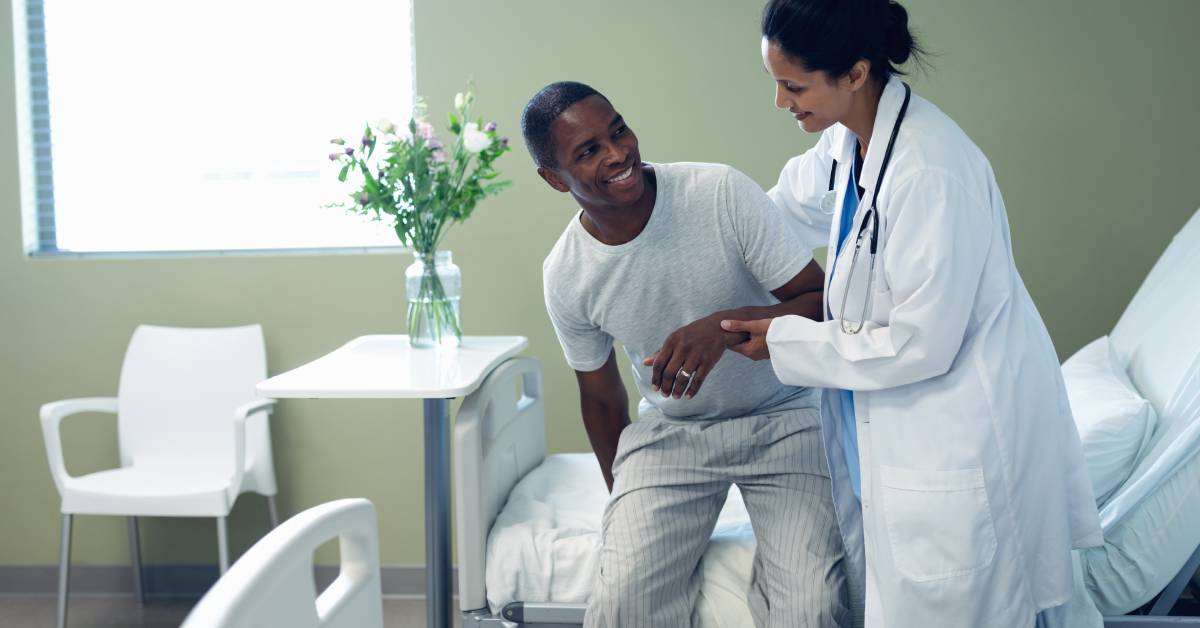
pixel 614 154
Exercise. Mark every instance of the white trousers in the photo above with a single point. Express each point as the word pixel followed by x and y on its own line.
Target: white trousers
pixel 671 480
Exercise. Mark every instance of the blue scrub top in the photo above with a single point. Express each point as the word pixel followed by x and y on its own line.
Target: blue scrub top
pixel 849 428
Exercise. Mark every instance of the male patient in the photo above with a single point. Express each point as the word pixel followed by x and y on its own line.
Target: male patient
pixel 659 254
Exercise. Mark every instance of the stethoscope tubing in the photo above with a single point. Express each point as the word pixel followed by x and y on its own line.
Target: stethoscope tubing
pixel 871 219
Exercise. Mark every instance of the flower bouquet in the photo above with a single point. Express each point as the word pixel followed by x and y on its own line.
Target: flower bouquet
pixel 410 178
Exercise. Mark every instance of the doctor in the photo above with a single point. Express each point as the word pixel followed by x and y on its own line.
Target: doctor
pixel 958 475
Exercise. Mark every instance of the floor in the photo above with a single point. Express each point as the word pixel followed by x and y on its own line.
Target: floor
pixel 122 612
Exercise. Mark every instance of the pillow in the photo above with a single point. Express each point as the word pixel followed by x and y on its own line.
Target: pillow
pixel 1114 421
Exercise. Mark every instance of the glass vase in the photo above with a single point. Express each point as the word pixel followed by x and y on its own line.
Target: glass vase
pixel 433 285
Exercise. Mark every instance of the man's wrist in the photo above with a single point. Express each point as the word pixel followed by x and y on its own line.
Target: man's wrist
pixel 736 314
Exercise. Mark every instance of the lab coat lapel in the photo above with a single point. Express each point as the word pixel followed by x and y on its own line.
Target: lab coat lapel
pixel 842 149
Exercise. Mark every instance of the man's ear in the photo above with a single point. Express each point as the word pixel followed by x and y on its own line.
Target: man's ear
pixel 551 177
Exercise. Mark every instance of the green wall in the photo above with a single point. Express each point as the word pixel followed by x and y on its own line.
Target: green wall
pixel 1086 109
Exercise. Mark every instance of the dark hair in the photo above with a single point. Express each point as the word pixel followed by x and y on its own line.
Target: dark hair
pixel 542 110
pixel 832 35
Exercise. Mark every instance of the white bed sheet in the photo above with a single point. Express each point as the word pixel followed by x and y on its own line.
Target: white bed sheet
pixel 544 544
pixel 1150 523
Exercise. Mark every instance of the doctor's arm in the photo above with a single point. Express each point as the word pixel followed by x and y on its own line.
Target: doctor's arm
pixel 604 405
pixel 699 345
pixel 933 259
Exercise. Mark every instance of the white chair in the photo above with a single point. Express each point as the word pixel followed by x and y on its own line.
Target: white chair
pixel 272 583
pixel 192 434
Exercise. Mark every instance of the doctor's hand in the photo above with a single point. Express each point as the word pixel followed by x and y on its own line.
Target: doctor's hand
pixel 687 356
pixel 756 347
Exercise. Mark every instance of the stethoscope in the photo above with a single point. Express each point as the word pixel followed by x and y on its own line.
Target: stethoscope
pixel 870 219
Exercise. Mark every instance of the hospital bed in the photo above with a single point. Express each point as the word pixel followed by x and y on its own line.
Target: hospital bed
pixel 528 523
pixel 1152 524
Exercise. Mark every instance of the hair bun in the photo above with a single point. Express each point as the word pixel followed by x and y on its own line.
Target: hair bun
pixel 899 41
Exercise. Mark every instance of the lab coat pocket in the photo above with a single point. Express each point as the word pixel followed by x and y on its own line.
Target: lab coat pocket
pixel 939 523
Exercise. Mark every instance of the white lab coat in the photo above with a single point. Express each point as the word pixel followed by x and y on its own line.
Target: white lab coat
pixel 974 489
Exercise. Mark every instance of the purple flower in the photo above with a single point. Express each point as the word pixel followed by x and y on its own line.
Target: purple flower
pixel 350 151
pixel 364 198
pixel 426 131
pixel 504 142
pixel 334 156
pixel 491 126
pixel 439 156
pixel 436 144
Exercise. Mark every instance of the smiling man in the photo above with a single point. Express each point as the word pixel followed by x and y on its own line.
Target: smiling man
pixel 657 255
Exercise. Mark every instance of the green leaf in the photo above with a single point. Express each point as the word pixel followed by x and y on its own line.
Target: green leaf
pixel 492 188
pixel 342 174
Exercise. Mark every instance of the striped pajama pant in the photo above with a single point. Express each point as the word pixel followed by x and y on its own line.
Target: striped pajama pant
pixel 671 480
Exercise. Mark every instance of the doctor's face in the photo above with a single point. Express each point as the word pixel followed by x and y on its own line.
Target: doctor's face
pixel 814 99
pixel 596 156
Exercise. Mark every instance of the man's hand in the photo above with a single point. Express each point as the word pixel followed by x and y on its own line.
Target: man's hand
pixel 688 355
pixel 756 347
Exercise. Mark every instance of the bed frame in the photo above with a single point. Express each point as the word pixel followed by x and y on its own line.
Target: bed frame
pixel 500 435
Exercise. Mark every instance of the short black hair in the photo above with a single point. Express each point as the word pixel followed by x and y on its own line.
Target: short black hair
pixel 542 110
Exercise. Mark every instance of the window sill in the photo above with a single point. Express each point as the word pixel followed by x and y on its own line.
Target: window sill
pixel 124 255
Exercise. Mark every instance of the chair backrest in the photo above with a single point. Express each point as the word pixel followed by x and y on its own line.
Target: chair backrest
pixel 499 435
pixel 272 584
pixel 1158 336
pixel 179 389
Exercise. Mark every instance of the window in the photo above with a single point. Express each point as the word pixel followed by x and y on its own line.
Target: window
pixel 202 125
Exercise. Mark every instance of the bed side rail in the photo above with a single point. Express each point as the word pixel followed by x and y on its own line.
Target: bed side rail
pixel 499 435
pixel 1149 621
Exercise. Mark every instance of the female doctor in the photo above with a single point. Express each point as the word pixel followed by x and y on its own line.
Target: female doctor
pixel 958 475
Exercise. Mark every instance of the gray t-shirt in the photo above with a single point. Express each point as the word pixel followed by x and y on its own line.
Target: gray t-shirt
pixel 714 241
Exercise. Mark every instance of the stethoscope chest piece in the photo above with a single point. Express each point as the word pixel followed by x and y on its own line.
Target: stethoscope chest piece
pixel 828 201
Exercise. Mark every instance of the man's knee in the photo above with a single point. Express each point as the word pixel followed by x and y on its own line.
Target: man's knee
pixel 799 597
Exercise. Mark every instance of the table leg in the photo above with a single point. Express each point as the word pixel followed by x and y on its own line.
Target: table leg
pixel 437 513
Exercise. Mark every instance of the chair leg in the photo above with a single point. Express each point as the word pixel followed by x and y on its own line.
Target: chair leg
pixel 223 544
pixel 273 508
pixel 135 549
pixel 64 570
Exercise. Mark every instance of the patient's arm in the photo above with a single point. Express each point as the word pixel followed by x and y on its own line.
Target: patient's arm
pixel 692 347
pixel 605 408
pixel 802 295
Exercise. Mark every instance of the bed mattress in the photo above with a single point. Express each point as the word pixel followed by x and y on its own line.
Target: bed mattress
pixel 544 544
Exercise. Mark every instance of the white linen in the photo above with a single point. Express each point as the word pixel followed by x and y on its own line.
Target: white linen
pixel 545 544
pixel 1150 523
pixel 1115 422
pixel 1158 342
pixel 1147 545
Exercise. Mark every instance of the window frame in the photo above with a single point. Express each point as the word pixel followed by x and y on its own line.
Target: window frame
pixel 36 164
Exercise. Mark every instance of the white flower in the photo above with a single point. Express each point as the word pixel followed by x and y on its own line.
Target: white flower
pixel 459 100
pixel 475 140
pixel 385 126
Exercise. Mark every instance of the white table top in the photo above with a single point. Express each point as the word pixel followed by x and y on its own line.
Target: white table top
pixel 386 367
